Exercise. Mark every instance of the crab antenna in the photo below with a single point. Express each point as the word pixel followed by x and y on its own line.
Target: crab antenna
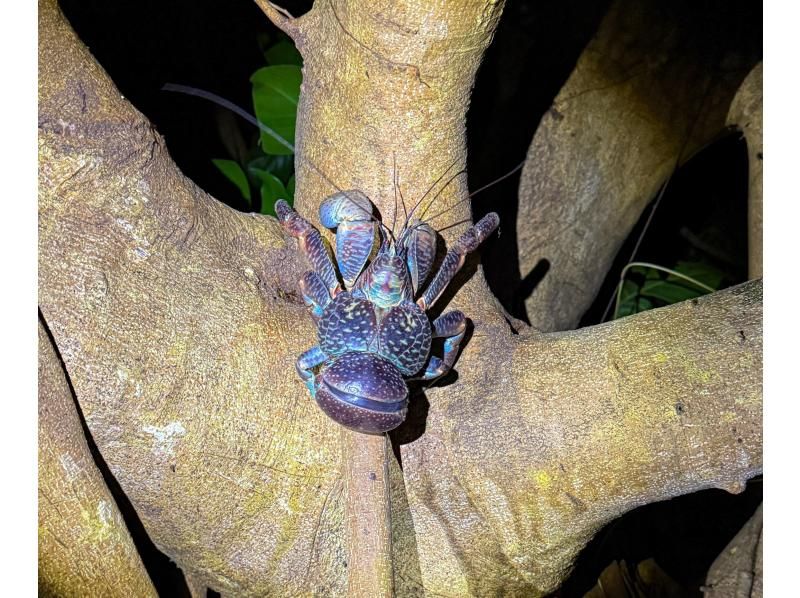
pixel 394 180
pixel 438 230
pixel 474 193
pixel 433 199
pixel 436 182
pixel 402 199
pixel 212 97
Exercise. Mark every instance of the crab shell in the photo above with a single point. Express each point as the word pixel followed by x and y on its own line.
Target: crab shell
pixel 363 392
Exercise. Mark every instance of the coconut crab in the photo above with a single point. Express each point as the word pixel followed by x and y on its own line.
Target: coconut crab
pixel 373 335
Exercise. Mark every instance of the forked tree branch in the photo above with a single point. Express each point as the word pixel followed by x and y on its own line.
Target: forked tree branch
pixel 179 322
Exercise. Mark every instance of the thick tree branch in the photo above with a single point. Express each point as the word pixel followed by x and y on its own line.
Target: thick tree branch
pixel 83 541
pixel 402 119
pixel 649 90
pixel 747 112
pixel 179 322
pixel 739 570
pixel 577 428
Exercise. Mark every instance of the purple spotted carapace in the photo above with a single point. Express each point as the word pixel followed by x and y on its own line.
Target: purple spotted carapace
pixel 372 334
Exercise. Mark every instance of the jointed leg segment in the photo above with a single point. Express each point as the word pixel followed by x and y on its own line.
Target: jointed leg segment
pixel 452 326
pixel 315 293
pixel 308 361
pixel 311 243
pixel 454 259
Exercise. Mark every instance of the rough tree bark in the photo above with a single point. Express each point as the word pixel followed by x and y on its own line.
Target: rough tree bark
pixel 739 569
pixel 83 542
pixel 178 322
pixel 650 89
pixel 747 114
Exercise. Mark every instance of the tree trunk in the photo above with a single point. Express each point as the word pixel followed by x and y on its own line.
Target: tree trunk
pixel 178 321
pixel 649 91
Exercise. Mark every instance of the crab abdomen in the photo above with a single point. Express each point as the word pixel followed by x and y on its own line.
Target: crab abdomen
pixel 363 392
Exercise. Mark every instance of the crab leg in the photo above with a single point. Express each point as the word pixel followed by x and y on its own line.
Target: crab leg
pixel 315 293
pixel 306 362
pixel 311 243
pixel 452 326
pixel 454 259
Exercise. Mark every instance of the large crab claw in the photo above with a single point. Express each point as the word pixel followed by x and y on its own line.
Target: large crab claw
pixel 419 244
pixel 350 213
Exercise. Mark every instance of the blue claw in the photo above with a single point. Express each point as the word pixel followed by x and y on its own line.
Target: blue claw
pixel 419 243
pixel 350 212
pixel 345 206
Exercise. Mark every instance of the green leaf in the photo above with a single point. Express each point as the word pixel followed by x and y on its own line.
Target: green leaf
pixel 628 298
pixel 235 174
pixel 705 273
pixel 290 187
pixel 646 288
pixel 281 166
pixel 643 304
pixel 272 189
pixel 276 90
pixel 283 52
pixel 670 289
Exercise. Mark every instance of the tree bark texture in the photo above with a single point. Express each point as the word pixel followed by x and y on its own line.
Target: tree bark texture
pixel 83 541
pixel 747 113
pixel 739 570
pixel 178 321
pixel 650 89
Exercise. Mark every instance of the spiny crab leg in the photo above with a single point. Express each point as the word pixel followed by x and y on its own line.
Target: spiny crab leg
pixel 454 259
pixel 452 326
pixel 311 243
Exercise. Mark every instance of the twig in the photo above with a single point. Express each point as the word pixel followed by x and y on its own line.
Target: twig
pixel 280 17
pixel 367 515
